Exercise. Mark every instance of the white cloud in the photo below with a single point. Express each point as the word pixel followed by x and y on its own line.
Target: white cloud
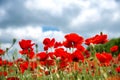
pixel 34 33
pixel 107 4
pixel 70 14
pixel 54 7
pixel 5 45
pixel 26 32
pixel 49 5
pixel 88 15
pixel 112 34
pixel 58 35
pixel 116 16
pixel 81 16
pixel 93 12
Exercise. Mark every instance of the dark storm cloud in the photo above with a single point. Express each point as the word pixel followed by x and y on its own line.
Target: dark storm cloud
pixel 95 28
pixel 15 14
pixel 2 2
pixel 18 15
pixel 106 22
pixel 117 0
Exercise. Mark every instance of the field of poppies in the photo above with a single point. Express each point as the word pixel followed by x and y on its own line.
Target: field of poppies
pixel 75 58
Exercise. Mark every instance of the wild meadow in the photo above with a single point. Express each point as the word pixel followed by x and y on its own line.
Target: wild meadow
pixel 75 58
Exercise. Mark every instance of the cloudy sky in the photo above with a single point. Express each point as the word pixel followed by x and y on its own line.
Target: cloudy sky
pixel 37 19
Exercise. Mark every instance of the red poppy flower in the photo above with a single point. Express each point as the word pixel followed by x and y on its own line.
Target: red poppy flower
pixel 3 73
pixel 104 57
pixel 19 60
pixel 97 39
pixel 81 48
pixel 23 66
pixel 4 62
pixel 0 61
pixel 72 40
pixel 59 52
pixel 58 44
pixel 118 69
pixel 48 43
pixel 46 48
pixel 119 57
pixel 65 60
pixel 26 44
pixel 33 65
pixel 62 55
pixel 101 39
pixel 47 72
pixel 114 48
pixel 50 62
pixel 62 65
pixel 26 51
pixel 10 63
pixel 41 56
pixel 86 54
pixel 23 52
pixel 51 55
pixel 30 55
pixel 12 78
pixel 1 52
pixel 42 63
pixel 77 56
